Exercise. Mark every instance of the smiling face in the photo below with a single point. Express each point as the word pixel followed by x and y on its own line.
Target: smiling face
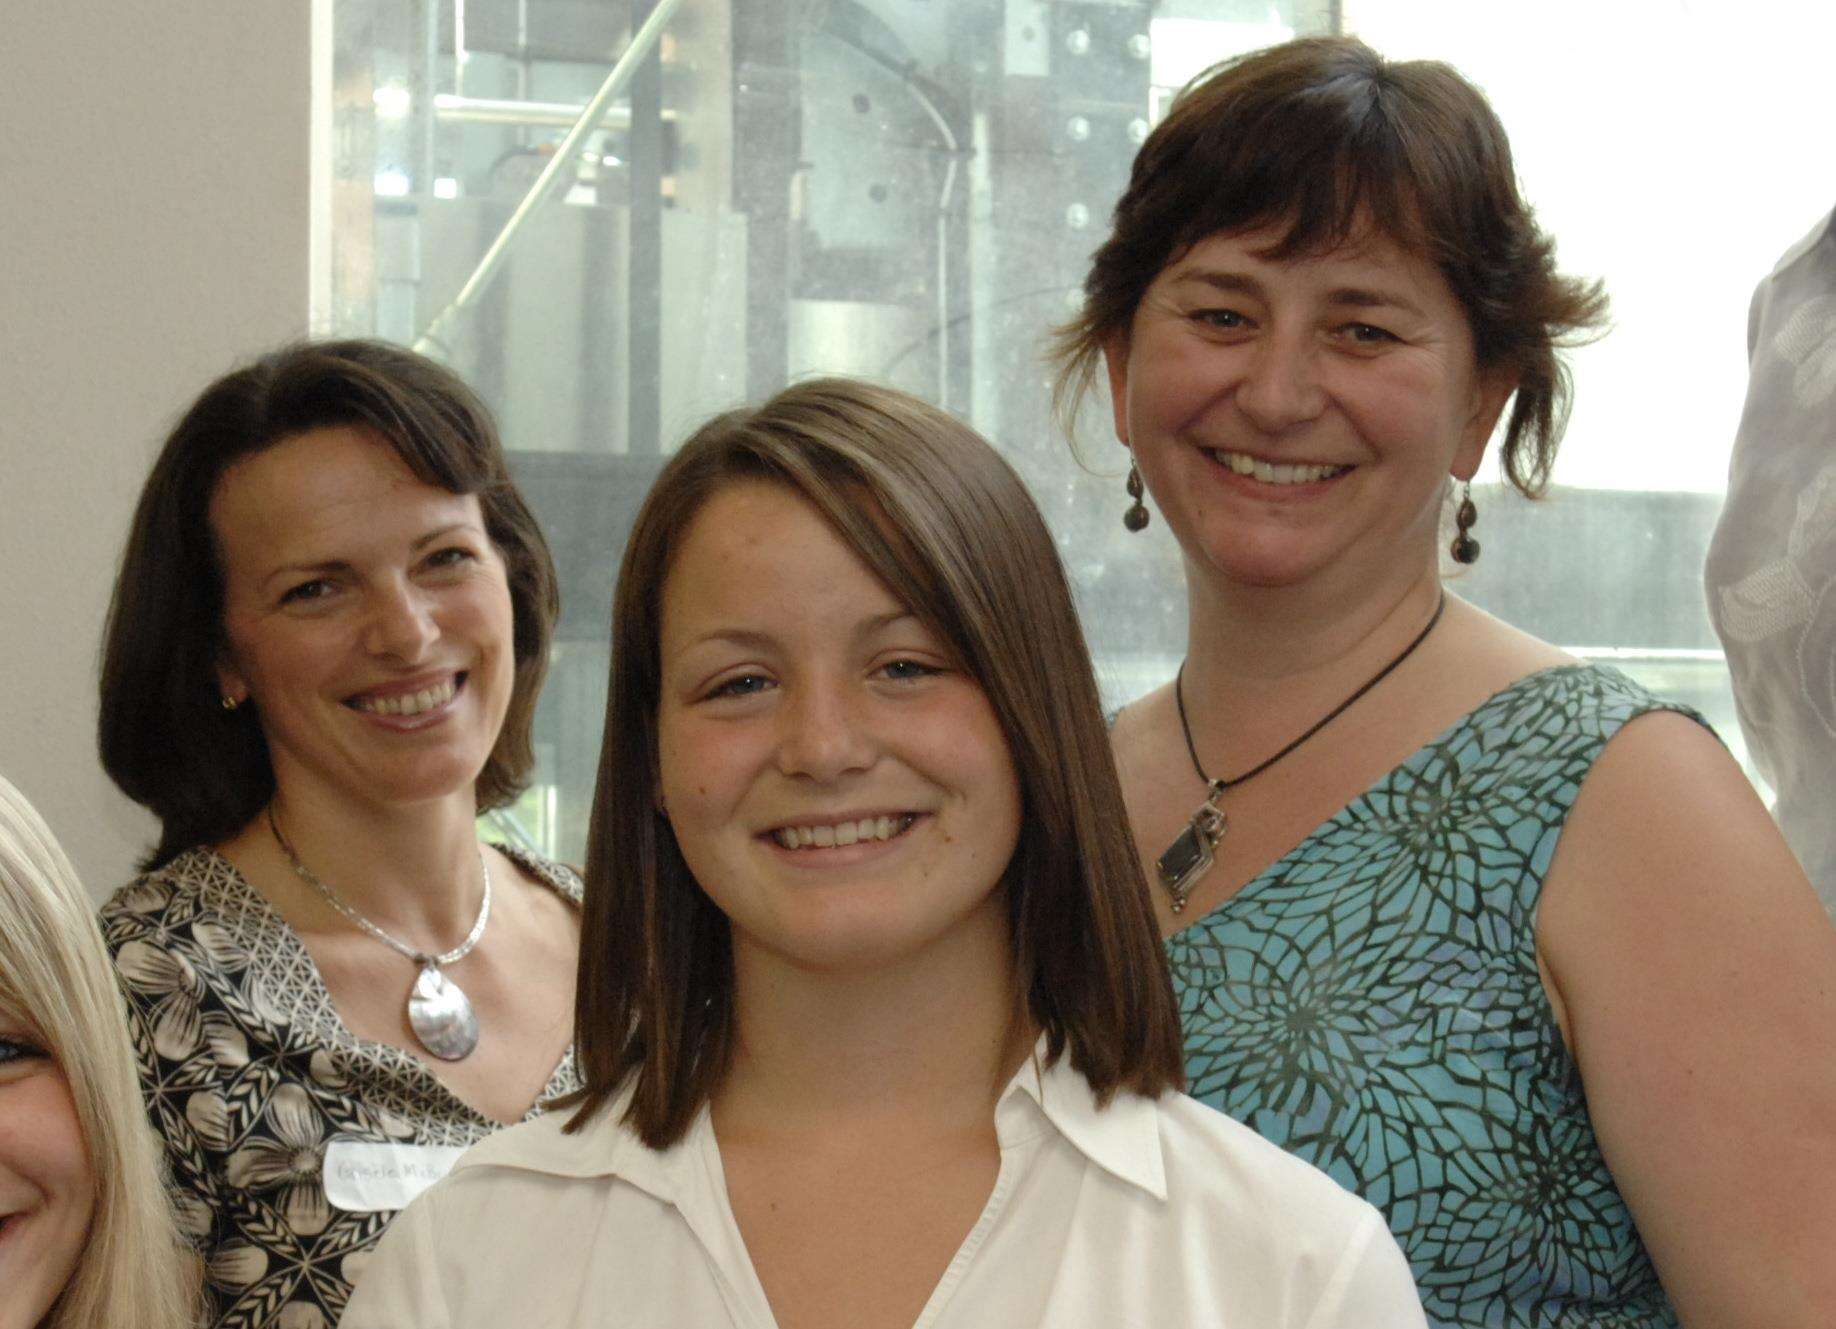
pixel 836 783
pixel 47 1191
pixel 1300 417
pixel 367 616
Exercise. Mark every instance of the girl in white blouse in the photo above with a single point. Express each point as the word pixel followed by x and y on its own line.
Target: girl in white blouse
pixel 871 1013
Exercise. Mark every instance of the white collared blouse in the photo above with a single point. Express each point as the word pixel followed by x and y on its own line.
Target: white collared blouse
pixel 1145 1213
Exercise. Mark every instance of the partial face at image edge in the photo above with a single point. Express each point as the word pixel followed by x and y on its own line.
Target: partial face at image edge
pixel 47 1186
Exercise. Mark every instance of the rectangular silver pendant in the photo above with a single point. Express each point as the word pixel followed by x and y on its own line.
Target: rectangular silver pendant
pixel 1192 853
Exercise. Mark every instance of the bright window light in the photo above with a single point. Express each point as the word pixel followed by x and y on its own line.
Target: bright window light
pixel 1183 48
pixel 392 102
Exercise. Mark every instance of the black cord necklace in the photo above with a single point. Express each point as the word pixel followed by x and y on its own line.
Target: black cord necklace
pixel 1191 854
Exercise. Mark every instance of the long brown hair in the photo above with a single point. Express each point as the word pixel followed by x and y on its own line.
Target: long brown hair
pixel 944 522
pixel 1321 136
pixel 164 737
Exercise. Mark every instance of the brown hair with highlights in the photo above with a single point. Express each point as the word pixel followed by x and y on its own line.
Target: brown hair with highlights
pixel 164 737
pixel 949 528
pixel 1325 137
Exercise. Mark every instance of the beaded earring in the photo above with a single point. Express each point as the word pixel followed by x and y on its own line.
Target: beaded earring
pixel 1465 549
pixel 1136 516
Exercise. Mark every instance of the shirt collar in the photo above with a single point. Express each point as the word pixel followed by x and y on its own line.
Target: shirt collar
pixel 1123 1138
pixel 603 1147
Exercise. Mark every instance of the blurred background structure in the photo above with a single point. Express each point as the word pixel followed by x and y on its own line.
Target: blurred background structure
pixel 617 217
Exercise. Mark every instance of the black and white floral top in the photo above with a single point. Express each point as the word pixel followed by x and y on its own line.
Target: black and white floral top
pixel 250 1076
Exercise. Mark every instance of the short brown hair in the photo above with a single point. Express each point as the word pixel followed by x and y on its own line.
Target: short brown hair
pixel 164 737
pixel 1323 136
pixel 949 528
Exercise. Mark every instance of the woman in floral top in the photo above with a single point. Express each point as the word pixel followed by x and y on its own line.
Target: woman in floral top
pixel 322 661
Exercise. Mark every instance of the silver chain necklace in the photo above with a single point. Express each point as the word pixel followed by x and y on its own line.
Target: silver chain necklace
pixel 1194 849
pixel 439 1012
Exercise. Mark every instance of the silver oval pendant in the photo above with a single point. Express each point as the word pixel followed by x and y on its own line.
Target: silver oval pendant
pixel 441 1016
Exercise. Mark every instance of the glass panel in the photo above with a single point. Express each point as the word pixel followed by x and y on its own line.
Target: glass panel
pixel 910 191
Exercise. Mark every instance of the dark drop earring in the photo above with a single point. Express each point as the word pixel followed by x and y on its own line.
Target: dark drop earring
pixel 1465 549
pixel 1136 516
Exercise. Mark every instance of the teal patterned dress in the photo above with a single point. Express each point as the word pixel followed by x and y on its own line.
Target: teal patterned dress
pixel 1371 1002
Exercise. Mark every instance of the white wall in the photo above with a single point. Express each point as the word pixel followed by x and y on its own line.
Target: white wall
pixel 153 231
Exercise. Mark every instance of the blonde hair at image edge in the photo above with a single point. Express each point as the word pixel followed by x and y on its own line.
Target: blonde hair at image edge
pixel 55 981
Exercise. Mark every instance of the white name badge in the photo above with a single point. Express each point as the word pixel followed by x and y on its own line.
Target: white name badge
pixel 363 1178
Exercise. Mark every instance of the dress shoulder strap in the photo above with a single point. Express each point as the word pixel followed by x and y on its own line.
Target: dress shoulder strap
pixel 1527 750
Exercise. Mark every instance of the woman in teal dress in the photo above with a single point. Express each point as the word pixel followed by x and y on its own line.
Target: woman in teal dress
pixel 1501 941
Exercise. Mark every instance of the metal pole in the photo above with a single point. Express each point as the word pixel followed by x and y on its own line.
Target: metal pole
pixel 499 111
pixel 767 136
pixel 425 80
pixel 646 37
pixel 644 262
